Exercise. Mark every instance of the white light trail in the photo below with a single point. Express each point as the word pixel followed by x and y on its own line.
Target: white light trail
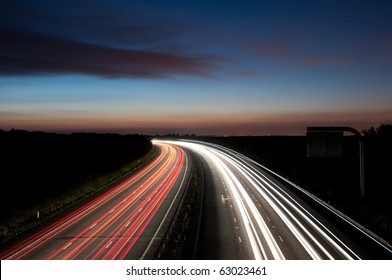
pixel 297 219
pixel 260 187
pixel 250 216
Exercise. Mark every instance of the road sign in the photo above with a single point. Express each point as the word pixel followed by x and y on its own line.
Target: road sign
pixel 324 144
pixel 327 142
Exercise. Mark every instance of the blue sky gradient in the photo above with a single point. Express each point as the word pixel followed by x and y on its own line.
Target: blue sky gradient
pixel 203 67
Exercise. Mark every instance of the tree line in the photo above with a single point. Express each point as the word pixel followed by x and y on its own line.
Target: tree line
pixel 38 166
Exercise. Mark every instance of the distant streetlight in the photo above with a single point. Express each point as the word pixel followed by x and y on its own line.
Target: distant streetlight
pixel 327 142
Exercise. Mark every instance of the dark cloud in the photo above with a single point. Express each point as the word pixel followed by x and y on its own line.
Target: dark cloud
pixel 115 23
pixel 103 38
pixel 23 53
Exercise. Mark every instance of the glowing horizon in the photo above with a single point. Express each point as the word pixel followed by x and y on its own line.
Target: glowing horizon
pixel 152 67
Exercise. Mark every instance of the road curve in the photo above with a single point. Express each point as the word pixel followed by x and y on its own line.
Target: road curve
pixel 119 224
pixel 269 220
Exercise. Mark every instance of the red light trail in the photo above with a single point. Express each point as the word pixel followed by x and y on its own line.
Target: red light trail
pixel 109 226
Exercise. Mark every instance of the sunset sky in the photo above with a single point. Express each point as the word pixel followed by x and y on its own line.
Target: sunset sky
pixel 205 67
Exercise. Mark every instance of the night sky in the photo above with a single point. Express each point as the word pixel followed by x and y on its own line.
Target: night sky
pixel 204 67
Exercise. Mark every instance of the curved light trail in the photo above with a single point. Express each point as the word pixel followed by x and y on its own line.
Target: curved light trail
pixel 254 216
pixel 109 226
pixel 274 224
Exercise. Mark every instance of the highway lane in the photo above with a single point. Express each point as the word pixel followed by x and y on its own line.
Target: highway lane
pixel 119 224
pixel 218 236
pixel 267 218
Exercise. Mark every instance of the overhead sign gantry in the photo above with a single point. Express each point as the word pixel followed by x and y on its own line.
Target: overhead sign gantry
pixel 328 142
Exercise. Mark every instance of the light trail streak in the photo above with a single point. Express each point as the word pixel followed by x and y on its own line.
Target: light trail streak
pixel 250 217
pixel 327 207
pixel 58 227
pixel 259 184
pixel 114 233
pixel 273 203
pixel 243 180
pixel 167 212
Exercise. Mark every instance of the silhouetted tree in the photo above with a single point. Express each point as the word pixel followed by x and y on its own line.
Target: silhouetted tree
pixel 385 129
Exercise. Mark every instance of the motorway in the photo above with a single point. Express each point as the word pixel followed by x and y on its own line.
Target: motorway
pixel 122 223
pixel 249 212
